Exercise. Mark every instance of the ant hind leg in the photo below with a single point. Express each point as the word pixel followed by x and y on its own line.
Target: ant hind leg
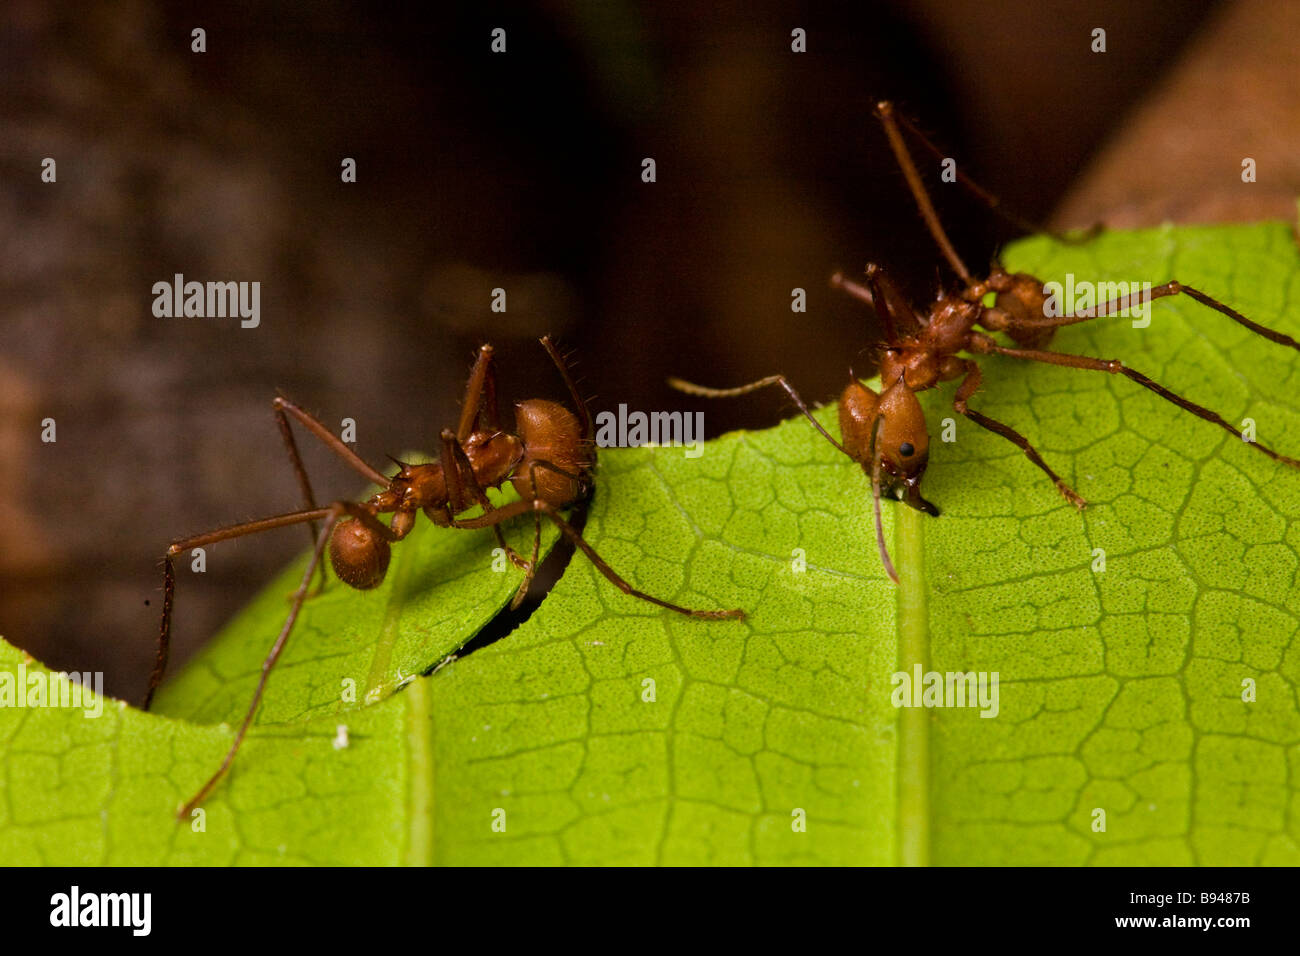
pixel 1116 367
pixel 523 507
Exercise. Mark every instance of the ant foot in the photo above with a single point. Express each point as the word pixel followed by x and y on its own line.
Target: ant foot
pixel 735 614
pixel 1071 495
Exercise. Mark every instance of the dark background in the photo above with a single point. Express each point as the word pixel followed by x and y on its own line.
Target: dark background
pixel 475 171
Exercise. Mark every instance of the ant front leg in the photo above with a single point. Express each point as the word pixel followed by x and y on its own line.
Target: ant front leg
pixel 377 529
pixel 331 441
pixel 284 409
pixel 969 385
pixel 1116 367
pixel 705 392
pixel 169 577
pixel 517 508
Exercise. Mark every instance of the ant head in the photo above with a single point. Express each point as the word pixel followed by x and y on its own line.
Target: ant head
pixel 359 554
pixel 892 427
pixel 904 443
pixel 887 436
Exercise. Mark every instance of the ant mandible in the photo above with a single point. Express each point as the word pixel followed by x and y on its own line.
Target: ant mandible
pixel 549 461
pixel 886 433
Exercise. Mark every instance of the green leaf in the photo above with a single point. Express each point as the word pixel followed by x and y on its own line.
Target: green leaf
pixel 1120 690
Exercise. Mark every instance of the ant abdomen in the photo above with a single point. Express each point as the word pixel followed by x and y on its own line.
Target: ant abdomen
pixel 556 457
pixel 359 554
pixel 1023 301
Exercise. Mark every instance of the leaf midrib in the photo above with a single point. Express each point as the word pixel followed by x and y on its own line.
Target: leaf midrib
pixel 419 734
pixel 913 722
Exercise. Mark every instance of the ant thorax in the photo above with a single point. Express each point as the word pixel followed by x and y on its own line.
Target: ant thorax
pixel 493 456
pixel 912 363
pixel 950 321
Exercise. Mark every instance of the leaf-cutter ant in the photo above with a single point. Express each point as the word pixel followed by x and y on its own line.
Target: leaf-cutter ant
pixel 550 461
pixel 886 432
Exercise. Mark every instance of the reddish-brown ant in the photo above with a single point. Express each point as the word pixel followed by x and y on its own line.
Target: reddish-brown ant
pixel 549 461
pixel 886 432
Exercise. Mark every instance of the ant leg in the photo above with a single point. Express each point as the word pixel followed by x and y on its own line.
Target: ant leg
pixel 480 396
pixel 334 514
pixel 969 385
pixel 531 571
pixel 1172 287
pixel 705 392
pixel 1116 367
pixel 459 476
pixel 984 196
pixel 580 403
pixel 516 508
pixel 885 113
pixel 1001 321
pixel 164 632
pixel 169 577
pixel 331 441
pixel 300 470
pixel 1271 334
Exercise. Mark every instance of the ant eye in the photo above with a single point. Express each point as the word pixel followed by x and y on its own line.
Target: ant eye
pixel 906 449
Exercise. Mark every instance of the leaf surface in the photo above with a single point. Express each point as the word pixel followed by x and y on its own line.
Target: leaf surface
pixel 605 730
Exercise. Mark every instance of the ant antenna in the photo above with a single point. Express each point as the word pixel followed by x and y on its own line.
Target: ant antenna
pixel 885 112
pixel 995 205
pixel 875 498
